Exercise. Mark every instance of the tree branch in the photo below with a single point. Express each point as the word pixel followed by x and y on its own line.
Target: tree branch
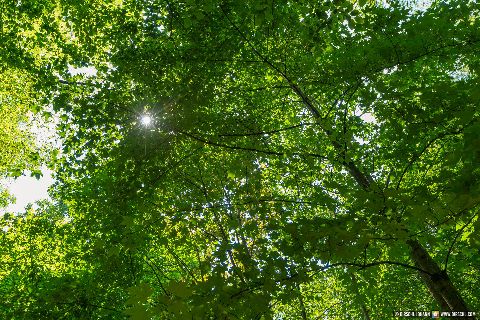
pixel 455 239
pixel 270 152
pixel 424 149
pixel 259 133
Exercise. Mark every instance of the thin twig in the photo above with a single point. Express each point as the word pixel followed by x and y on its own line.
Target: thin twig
pixel 455 239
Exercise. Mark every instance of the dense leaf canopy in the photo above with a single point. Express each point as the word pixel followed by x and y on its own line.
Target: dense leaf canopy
pixel 303 160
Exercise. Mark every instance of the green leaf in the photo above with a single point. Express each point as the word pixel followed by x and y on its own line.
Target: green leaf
pixel 139 293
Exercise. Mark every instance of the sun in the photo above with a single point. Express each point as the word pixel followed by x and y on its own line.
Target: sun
pixel 146 120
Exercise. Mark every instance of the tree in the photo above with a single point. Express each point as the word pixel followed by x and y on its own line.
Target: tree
pixel 18 147
pixel 28 50
pixel 292 145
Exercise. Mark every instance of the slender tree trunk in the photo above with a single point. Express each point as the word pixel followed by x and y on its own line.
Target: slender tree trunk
pixel 366 314
pixel 302 304
pixel 437 280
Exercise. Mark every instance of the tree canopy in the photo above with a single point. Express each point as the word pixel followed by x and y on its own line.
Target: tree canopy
pixel 302 160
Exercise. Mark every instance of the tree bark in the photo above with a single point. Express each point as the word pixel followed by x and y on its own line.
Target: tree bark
pixel 366 314
pixel 437 280
pixel 302 304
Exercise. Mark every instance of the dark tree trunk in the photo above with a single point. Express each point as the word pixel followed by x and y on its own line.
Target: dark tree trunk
pixel 437 280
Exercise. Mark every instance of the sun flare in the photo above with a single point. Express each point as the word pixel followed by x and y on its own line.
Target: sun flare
pixel 146 120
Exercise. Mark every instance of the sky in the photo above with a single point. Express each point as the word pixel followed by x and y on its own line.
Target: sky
pixel 28 189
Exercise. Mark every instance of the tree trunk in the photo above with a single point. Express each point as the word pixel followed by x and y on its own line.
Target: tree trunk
pixel 437 280
pixel 366 314
pixel 302 304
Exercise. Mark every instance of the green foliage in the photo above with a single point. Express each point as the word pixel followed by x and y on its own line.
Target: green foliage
pixel 297 149
pixel 17 99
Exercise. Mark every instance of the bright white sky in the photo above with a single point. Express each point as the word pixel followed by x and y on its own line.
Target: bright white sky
pixel 28 190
